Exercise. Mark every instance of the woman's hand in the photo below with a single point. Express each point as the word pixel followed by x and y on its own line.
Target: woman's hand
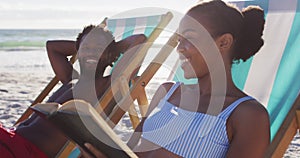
pixel 93 150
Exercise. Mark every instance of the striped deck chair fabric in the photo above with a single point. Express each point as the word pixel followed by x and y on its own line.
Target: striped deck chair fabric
pixel 272 75
pixel 125 27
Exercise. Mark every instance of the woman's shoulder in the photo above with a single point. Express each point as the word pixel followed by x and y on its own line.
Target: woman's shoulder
pixel 250 112
pixel 167 85
pixel 252 107
pixel 249 122
pixel 162 90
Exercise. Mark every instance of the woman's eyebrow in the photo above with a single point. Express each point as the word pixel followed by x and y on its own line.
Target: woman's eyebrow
pixel 188 30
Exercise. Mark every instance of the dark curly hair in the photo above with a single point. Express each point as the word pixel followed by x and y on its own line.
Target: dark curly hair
pixel 245 26
pixel 103 32
pixel 88 29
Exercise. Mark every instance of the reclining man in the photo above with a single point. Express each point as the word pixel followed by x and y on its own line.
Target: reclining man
pixel 96 49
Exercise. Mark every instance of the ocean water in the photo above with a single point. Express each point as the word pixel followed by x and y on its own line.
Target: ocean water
pixel 25 51
pixel 24 40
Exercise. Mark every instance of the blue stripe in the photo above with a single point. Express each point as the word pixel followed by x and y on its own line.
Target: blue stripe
pixel 264 4
pixel 111 25
pixel 286 85
pixel 240 73
pixel 130 25
pixel 205 136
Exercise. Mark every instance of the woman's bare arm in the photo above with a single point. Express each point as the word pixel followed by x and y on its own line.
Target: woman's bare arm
pixel 130 42
pixel 250 131
pixel 58 51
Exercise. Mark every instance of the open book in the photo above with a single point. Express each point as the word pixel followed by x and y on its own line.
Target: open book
pixel 81 123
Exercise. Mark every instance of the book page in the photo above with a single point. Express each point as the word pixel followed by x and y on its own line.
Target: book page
pixel 45 108
pixel 84 109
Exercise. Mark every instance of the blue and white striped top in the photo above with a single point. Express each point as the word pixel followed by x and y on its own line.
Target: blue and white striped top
pixel 186 133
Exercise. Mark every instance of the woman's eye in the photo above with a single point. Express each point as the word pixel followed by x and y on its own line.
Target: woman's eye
pixel 189 38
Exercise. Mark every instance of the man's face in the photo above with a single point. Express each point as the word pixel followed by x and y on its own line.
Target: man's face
pixel 92 51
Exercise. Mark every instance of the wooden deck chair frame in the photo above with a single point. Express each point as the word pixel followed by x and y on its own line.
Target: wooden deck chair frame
pixel 286 133
pixel 54 81
pixel 122 82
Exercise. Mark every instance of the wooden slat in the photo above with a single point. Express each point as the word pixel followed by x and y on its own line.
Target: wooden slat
pixel 298 117
pixel 69 147
pixel 142 99
pixel 286 139
pixel 124 88
pixel 285 134
pixel 143 102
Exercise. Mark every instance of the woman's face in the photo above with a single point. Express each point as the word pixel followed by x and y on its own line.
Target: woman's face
pixel 93 52
pixel 194 47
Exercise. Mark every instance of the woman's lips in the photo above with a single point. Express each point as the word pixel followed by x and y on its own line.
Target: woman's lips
pixel 91 61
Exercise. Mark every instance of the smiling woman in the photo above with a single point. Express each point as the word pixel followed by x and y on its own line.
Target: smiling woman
pixel 211 118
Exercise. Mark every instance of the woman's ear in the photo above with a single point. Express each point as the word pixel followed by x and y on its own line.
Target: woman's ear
pixel 224 42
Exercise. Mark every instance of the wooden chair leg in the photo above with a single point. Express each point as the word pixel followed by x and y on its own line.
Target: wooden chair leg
pixel 69 146
pixel 141 99
pixel 133 116
pixel 143 102
pixel 286 133
pixel 124 89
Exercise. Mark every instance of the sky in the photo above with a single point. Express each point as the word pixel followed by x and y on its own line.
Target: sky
pixel 74 14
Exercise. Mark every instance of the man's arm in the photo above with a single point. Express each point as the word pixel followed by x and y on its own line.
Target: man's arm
pixel 58 51
pixel 130 42
pixel 129 46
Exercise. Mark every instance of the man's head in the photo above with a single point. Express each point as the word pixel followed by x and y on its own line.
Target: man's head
pixel 95 46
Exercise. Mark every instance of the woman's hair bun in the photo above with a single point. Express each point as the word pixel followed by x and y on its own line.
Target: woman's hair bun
pixel 251 33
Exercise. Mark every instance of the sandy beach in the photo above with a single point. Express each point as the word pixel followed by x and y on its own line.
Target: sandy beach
pixel 21 83
pixel 18 90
